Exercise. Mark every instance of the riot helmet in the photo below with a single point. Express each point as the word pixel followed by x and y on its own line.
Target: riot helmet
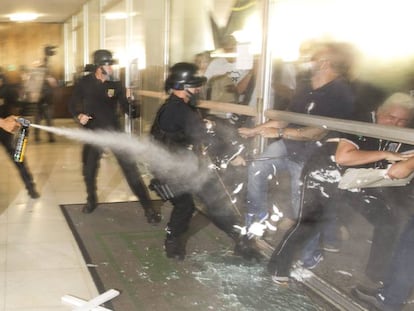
pixel 182 76
pixel 102 57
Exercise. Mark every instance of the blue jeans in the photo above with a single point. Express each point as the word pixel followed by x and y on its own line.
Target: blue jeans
pixel 399 282
pixel 258 178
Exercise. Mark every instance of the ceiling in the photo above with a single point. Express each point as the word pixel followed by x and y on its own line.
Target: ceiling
pixel 52 11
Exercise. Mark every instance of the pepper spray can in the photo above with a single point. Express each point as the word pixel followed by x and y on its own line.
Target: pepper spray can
pixel 21 140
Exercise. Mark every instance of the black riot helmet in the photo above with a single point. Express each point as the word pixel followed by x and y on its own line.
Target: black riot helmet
pixel 102 57
pixel 182 76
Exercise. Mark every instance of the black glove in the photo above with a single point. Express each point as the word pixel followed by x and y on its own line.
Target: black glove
pixel 134 109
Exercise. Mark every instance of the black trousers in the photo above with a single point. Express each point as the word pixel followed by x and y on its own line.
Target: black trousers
pixel 6 140
pixel 44 112
pixel 216 205
pixel 183 209
pixel 91 156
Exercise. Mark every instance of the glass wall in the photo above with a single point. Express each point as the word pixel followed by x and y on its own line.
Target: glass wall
pixel 115 18
pixel 147 54
pixel 93 36
pixel 376 61
pixel 79 42
pixel 384 55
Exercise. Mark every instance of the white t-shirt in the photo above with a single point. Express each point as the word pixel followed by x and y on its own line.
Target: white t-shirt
pixel 221 66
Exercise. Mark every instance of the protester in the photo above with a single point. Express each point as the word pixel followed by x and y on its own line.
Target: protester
pixel 45 107
pixel 225 81
pixel 328 94
pixel 7 138
pixel 9 124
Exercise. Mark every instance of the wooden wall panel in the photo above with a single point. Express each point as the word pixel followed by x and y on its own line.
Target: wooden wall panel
pixel 22 44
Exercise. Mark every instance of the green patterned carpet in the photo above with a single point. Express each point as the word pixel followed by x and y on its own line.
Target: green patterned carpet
pixel 125 253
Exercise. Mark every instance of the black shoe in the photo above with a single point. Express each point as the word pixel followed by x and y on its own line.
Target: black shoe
pixel 373 299
pixel 33 193
pixel 89 208
pixel 248 249
pixel 174 248
pixel 153 216
pixel 369 290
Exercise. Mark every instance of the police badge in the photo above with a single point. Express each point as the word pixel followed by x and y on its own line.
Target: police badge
pixel 111 92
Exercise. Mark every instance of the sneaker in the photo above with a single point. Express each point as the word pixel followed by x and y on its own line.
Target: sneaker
pixel 369 290
pixel 373 299
pixel 330 248
pixel 312 262
pixel 280 280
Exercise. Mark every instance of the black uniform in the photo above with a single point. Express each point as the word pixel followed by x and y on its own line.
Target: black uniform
pixel 180 127
pixel 100 101
pixel 7 140
pixel 45 109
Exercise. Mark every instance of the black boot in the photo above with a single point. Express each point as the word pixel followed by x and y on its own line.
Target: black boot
pixel 174 247
pixel 247 248
pixel 90 205
pixel 153 213
pixel 27 179
pixel 153 216
pixel 33 193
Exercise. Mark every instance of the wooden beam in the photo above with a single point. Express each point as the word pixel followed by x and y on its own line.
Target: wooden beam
pixel 404 135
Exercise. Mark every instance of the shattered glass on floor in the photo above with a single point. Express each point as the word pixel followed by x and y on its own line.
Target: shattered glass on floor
pixel 244 287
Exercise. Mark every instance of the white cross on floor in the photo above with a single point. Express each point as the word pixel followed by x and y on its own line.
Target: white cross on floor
pixel 93 304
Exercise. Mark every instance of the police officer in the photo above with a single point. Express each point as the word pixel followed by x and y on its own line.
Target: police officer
pixel 179 126
pixel 7 139
pixel 9 123
pixel 94 104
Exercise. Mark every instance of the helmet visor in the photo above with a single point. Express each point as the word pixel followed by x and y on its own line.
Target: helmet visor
pixel 195 82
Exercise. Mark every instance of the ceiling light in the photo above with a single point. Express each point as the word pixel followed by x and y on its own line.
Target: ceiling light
pixel 118 15
pixel 23 17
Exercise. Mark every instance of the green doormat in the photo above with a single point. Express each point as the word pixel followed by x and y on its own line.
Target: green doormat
pixel 123 252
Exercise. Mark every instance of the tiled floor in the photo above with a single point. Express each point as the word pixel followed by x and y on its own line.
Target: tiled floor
pixel 39 258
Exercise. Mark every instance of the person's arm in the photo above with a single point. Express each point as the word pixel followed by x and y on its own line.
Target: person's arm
pixel 241 87
pixel 401 169
pixel 348 154
pixel 73 105
pixel 261 129
pixel 303 133
pixel 74 101
pixel 123 98
pixel 9 124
